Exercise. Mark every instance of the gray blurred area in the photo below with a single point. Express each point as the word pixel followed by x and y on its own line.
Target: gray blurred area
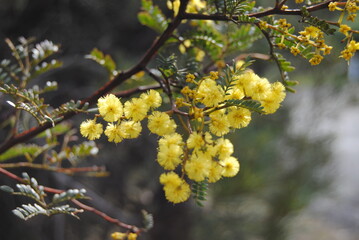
pixel 299 167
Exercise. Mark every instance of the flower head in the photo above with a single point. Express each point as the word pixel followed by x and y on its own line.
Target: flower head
pixel 197 168
pixel 239 117
pixel 209 93
pixel 161 124
pixel 130 129
pixel 219 124
pixel 230 167
pixel 170 151
pixel 152 98
pixel 114 133
pixel 176 189
pixel 110 108
pixel 214 172
pixel 136 109
pixel 91 129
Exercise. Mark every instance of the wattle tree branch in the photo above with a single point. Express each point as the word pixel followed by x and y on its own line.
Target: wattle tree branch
pixel 116 81
pixel 272 11
pixel 79 204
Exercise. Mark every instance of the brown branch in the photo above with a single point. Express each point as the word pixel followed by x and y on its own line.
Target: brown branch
pixel 106 217
pixel 79 204
pixel 117 80
pixel 272 11
pixel 98 169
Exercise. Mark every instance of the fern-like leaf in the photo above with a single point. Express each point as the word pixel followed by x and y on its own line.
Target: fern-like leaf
pixel 27 211
pixel 248 104
pixel 68 195
pixel 199 192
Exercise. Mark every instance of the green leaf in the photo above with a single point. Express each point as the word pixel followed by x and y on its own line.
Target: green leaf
pixel 242 37
pixel 20 150
pixel 6 189
pixel 45 67
pixel 152 16
pixel 199 192
pixel 104 60
pixel 248 104
pixel 68 195
pixel 284 65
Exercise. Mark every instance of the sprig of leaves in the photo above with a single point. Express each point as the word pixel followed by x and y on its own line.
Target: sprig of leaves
pixel 31 189
pixel 199 192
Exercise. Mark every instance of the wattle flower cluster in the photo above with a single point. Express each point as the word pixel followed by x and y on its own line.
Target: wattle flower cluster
pixel 206 155
pixel 208 110
pixel 123 121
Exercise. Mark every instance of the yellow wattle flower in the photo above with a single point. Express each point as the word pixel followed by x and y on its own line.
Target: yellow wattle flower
pixel 90 129
pixel 110 108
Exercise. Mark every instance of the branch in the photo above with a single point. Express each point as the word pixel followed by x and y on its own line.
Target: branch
pixel 272 11
pixel 79 204
pixel 99 170
pixel 117 80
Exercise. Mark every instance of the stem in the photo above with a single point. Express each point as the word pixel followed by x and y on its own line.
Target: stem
pixel 70 171
pixel 117 80
pixel 79 204
pixel 272 11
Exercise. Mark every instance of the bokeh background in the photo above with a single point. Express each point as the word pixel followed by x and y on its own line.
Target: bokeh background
pixel 299 167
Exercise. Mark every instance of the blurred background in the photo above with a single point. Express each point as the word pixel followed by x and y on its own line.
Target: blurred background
pixel 298 177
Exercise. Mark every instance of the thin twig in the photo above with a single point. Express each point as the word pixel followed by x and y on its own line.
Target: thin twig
pixel 271 11
pixel 98 169
pixel 79 204
pixel 117 80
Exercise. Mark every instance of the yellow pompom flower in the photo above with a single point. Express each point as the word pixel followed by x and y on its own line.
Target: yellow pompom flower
pixel 270 104
pixel 169 157
pixel 278 91
pixel 132 236
pixel 170 139
pixel 152 98
pixel 214 172
pixel 114 133
pixel 230 167
pixel 195 140
pixel 176 189
pixel 170 178
pixel 90 129
pixel 197 168
pixel 170 151
pixel 118 236
pixel 239 117
pixel 130 129
pixel 258 89
pixel 136 109
pixel 245 80
pixel 235 93
pixel 224 148
pixel 161 124
pixel 209 93
pixel 219 124
pixel 110 108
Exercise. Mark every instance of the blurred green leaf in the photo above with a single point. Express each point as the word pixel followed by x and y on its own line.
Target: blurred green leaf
pixel 20 150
